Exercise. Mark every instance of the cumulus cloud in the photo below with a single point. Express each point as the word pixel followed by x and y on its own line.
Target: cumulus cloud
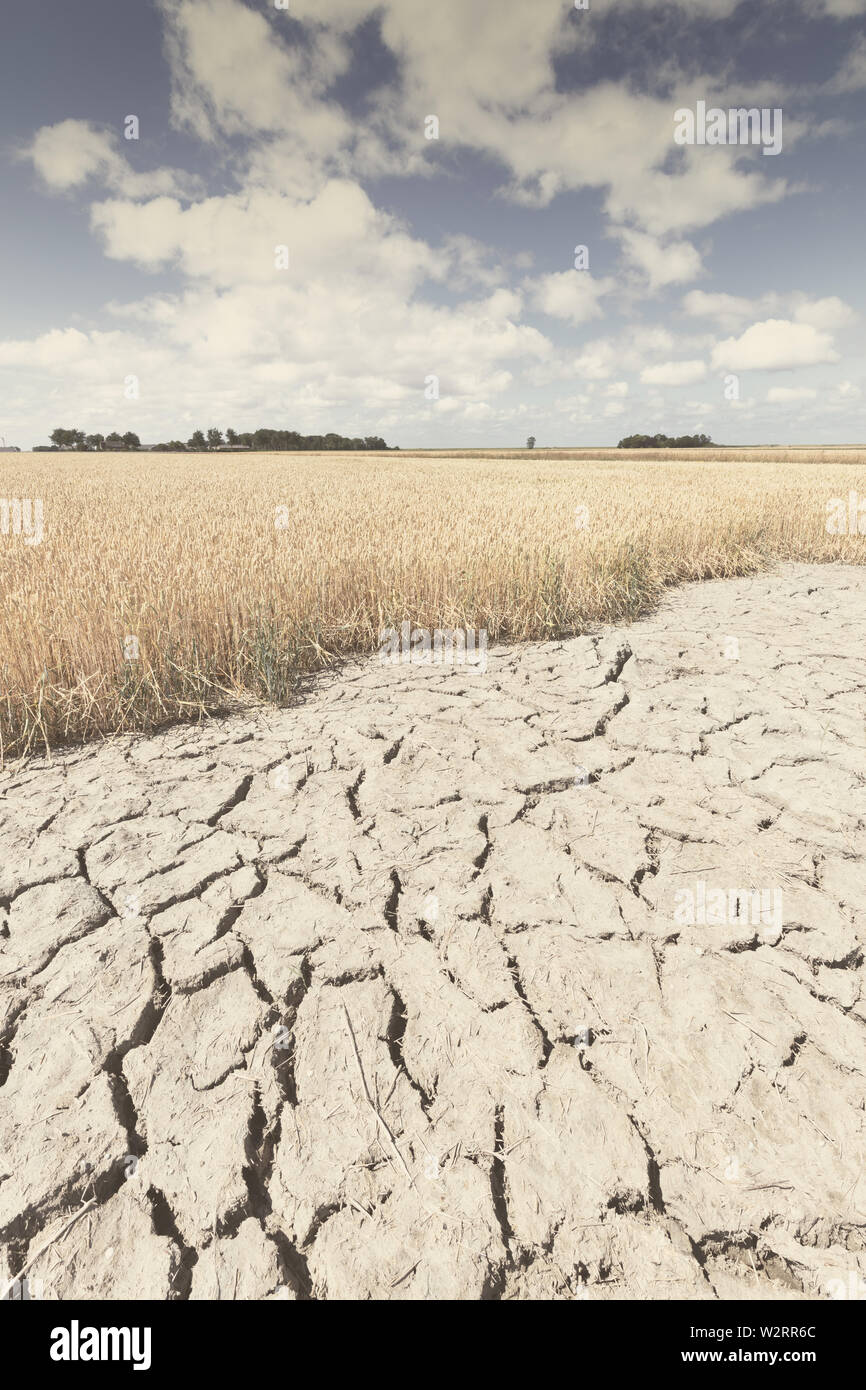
pixel 642 347
pixel 233 73
pixel 489 77
pixel 233 239
pixel 71 153
pixel 671 263
pixel 731 311
pixel 828 313
pixel 781 395
pixel 597 361
pixel 674 373
pixel 58 348
pixel 357 321
pixel 570 294
pixel 842 9
pixel 851 76
pixel 774 345
pixel 315 347
pixel 728 310
pixel 721 9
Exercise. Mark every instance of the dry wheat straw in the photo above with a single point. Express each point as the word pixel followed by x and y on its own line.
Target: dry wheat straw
pixel 183 553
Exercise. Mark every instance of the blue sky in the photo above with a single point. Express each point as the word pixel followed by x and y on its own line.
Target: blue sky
pixel 142 288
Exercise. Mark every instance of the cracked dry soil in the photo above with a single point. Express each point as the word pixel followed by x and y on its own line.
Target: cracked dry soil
pixel 383 996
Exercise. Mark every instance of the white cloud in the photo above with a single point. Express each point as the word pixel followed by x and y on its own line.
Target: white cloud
pixel 729 310
pixel 674 373
pixel 316 348
pixel 825 313
pixel 721 9
pixel 232 72
pixel 706 9
pixel 58 348
pixel 232 240
pixel 851 76
pixel 350 326
pixel 700 191
pixel 782 394
pixel 671 263
pixel 843 9
pixel 597 361
pixel 487 73
pixel 68 154
pixel 774 345
pixel 570 294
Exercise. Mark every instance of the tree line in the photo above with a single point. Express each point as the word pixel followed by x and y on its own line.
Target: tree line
pixel 265 440
pixel 666 441
pixel 77 439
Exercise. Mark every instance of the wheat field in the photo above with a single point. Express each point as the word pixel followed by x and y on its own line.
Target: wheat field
pixel 237 574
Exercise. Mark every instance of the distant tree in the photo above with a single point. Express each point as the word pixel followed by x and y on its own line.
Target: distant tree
pixel 61 437
pixel 271 440
pixel 530 443
pixel 664 441
pixel 264 439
